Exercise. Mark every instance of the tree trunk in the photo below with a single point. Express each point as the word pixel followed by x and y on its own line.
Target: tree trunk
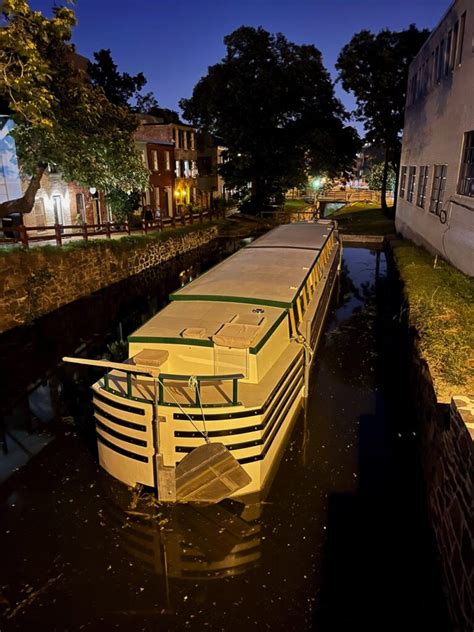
pixel 383 192
pixel 397 180
pixel 26 203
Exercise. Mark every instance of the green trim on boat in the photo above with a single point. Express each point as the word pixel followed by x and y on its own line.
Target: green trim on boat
pixel 270 332
pixel 192 342
pixel 229 299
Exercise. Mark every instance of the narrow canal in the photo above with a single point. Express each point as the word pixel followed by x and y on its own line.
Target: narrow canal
pixel 340 543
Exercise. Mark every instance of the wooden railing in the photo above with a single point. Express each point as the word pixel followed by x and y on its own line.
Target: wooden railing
pixel 160 378
pixel 59 233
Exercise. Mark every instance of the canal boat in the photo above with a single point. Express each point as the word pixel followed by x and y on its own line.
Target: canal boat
pixel 202 408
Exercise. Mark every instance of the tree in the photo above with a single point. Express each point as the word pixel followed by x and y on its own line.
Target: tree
pixel 122 204
pixel 147 104
pixel 120 88
pixel 59 116
pixel 376 178
pixel 273 104
pixel 375 69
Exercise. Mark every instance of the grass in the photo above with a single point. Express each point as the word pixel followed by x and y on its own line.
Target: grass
pixel 295 205
pixel 361 218
pixel 441 304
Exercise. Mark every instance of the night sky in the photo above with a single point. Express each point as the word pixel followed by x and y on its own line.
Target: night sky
pixel 174 42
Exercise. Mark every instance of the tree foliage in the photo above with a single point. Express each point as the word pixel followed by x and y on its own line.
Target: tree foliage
pixel 60 116
pixel 147 104
pixel 273 104
pixel 120 88
pixel 122 204
pixel 374 67
pixel 376 178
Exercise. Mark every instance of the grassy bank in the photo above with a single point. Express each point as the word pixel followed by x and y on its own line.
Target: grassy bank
pixel 360 218
pixel 295 205
pixel 441 304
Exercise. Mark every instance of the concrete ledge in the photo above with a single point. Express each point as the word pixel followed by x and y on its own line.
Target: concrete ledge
pixel 361 240
pixel 463 405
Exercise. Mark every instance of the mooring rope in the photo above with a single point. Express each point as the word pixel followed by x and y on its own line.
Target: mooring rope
pixel 193 382
pixel 183 411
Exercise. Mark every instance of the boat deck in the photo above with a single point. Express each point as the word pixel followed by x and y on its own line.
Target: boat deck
pixel 212 393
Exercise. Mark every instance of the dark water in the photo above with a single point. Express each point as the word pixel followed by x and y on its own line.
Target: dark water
pixel 340 543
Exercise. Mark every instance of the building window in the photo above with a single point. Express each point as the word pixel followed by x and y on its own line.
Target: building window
pixel 411 184
pixel 447 57
pixel 454 45
pixel 440 61
pixel 403 182
pixel 436 66
pixel 466 175
pixel 80 208
pixel 439 184
pixel 422 186
pixel 186 169
pixel 143 154
pixel 177 168
pixel 167 161
pixel 461 38
pixel 154 159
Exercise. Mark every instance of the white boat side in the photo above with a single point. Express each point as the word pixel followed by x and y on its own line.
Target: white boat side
pixel 233 350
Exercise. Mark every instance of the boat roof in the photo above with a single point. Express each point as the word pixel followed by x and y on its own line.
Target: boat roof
pixel 270 271
pixel 171 323
pixel 250 291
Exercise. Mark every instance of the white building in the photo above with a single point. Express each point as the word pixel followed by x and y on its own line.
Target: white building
pixel 436 191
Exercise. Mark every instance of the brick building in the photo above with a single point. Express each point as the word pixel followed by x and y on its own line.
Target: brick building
pixel 180 140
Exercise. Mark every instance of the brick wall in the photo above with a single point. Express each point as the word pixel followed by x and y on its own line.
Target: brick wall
pixel 447 451
pixel 35 282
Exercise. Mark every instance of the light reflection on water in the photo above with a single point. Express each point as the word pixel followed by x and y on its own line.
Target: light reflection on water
pixel 339 542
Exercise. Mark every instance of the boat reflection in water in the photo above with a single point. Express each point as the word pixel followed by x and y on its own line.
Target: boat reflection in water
pixel 186 542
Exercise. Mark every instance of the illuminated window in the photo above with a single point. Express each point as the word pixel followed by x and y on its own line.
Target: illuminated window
pixel 422 186
pixel 80 209
pixel 167 161
pixel 439 184
pixel 466 176
pixel 154 159
pixel 177 168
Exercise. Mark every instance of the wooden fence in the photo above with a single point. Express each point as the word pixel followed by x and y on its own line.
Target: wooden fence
pixel 60 233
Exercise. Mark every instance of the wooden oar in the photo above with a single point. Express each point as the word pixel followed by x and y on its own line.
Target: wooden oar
pixel 129 368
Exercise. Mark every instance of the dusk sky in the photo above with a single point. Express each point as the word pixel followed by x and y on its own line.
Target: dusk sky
pixel 173 43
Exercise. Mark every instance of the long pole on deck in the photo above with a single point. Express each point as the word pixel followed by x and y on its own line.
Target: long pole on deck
pixel 130 368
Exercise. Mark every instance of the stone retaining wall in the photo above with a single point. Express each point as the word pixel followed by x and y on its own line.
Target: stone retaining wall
pixel 446 451
pixel 38 281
